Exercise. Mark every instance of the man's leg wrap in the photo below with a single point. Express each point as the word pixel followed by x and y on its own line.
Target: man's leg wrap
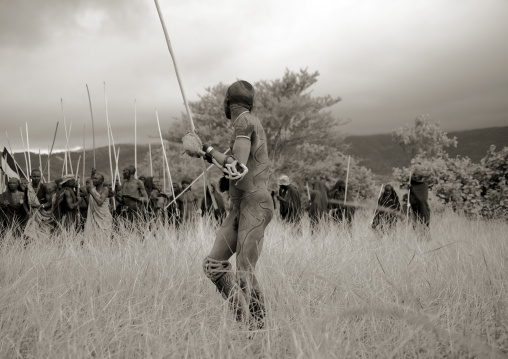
pixel 219 272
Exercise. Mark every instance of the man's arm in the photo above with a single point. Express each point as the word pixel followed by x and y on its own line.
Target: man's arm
pixel 70 204
pixel 101 196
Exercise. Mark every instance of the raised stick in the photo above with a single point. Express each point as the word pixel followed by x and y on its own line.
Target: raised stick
pixel 117 173
pixel 84 155
pixel 378 197
pixel 66 138
pixel 175 65
pixel 24 152
pixel 150 156
pixel 109 138
pixel 28 149
pixel 347 178
pixel 49 153
pixel 49 172
pixel 68 151
pixel 187 108
pixel 135 141
pixel 77 168
pixel 185 189
pixel 165 159
pixel 308 192
pixel 93 129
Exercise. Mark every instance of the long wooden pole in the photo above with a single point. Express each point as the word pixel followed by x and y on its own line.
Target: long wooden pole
pixel 168 42
pixel 187 108
pixel 66 138
pixel 77 168
pixel 84 155
pixel 165 159
pixel 150 157
pixel 28 149
pixel 347 178
pixel 48 163
pixel 135 141
pixel 52 145
pixel 378 197
pixel 195 180
pixel 68 150
pixel 117 172
pixel 109 138
pixel 93 128
pixel 24 152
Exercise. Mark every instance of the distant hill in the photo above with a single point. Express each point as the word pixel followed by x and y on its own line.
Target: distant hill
pixel 376 152
pixel 380 154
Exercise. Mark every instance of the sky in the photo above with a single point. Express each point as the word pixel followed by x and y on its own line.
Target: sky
pixel 389 61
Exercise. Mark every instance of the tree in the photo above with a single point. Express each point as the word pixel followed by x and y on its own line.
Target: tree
pixel 304 140
pixel 289 114
pixel 424 139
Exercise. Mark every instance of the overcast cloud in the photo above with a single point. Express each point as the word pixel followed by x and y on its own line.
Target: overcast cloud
pixel 389 61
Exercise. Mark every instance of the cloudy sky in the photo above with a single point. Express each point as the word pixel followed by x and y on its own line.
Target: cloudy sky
pixel 389 60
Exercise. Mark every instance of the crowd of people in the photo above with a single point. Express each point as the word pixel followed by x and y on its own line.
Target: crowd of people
pixel 36 209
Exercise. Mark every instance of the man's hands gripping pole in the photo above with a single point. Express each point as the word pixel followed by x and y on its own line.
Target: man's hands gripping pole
pixel 232 169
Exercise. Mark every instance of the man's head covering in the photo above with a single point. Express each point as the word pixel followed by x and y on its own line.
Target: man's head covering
pixel 239 93
pixel 284 180
pixel 66 178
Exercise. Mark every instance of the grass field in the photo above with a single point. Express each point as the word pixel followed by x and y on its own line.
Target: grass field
pixel 329 294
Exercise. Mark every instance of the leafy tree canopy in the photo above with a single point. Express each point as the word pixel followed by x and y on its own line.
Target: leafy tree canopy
pixel 424 139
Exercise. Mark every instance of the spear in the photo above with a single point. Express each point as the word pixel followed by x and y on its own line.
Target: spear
pixel 93 129
pixel 308 192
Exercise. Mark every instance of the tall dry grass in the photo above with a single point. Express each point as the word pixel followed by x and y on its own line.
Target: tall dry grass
pixel 330 294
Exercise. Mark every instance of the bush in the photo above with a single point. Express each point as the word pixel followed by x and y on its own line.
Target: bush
pixel 475 189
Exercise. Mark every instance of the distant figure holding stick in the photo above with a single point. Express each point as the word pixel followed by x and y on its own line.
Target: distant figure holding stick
pixel 134 196
pixel 243 230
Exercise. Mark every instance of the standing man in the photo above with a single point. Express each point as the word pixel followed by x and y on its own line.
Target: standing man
pixel 41 222
pixel 419 205
pixel 67 204
pixel 243 230
pixel 134 196
pixel 12 212
pixel 289 200
pixel 99 217
pixel 188 201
